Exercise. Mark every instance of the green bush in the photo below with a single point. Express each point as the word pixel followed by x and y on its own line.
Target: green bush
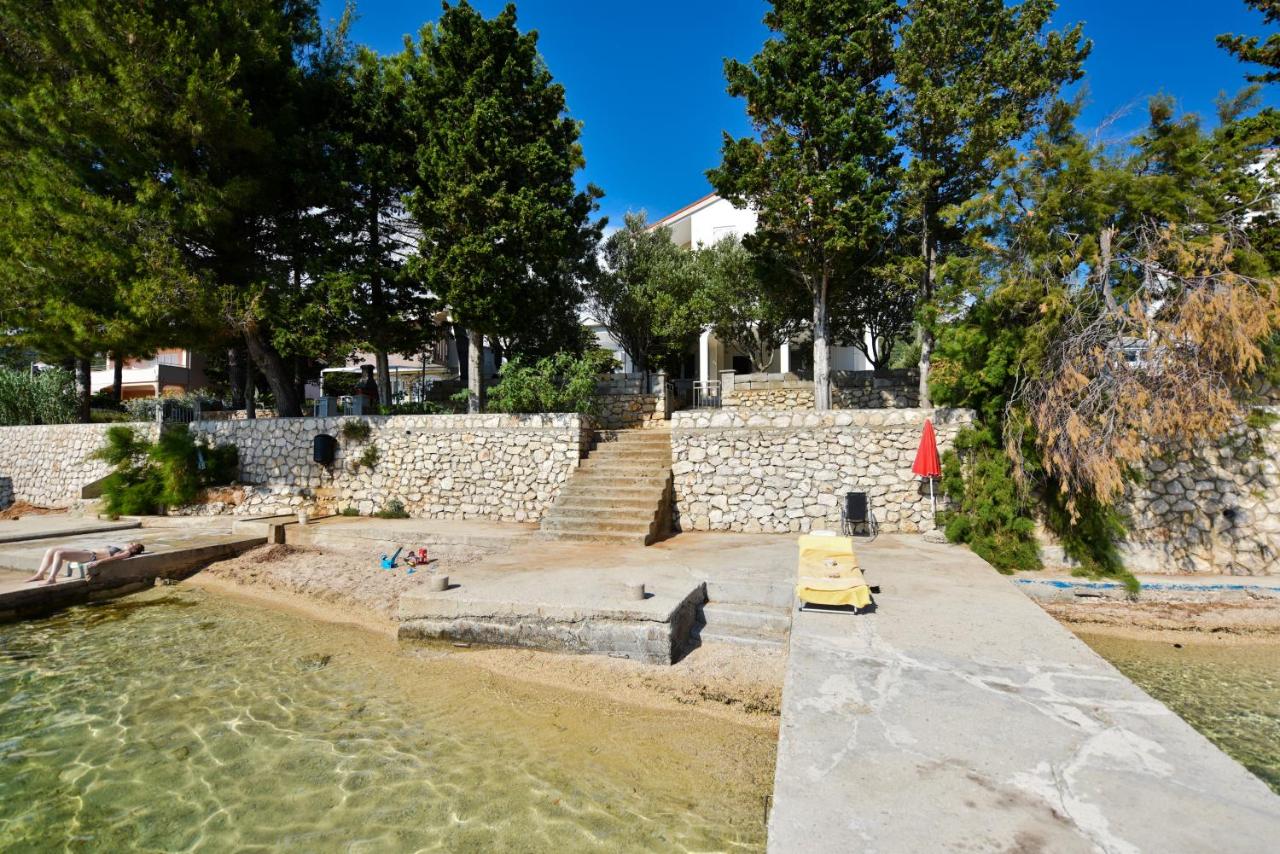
pixel 355 431
pixel 349 511
pixel 987 512
pixel 393 510
pixel 46 397
pixel 560 383
pixel 368 459
pixel 340 384
pixel 149 477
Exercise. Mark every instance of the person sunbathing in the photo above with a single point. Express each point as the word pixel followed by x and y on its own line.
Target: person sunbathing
pixel 81 559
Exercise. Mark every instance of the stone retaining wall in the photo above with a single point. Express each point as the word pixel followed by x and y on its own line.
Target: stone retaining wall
pixel 1217 510
pixel 48 465
pixel 895 389
pixel 629 411
pixel 788 471
pixel 508 467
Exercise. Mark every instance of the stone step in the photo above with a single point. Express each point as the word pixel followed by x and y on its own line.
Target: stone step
pixel 770 643
pixel 598 478
pixel 597 537
pixel 589 523
pixel 656 456
pixel 750 619
pixel 624 468
pixel 607 503
pixel 608 489
pixel 771 594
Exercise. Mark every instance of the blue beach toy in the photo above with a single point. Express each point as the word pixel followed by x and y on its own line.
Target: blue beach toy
pixel 390 562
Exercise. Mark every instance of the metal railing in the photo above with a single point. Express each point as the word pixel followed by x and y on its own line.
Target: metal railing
pixel 706 395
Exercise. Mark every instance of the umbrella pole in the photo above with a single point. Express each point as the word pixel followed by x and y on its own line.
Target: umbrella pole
pixel 933 502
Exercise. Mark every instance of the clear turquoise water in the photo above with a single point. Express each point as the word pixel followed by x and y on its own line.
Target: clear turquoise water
pixel 179 720
pixel 1229 692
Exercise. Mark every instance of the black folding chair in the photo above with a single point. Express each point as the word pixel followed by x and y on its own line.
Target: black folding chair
pixel 855 515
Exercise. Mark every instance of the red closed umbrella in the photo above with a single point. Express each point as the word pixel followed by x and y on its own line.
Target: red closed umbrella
pixel 927 464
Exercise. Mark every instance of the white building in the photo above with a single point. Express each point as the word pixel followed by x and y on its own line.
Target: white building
pixel 702 223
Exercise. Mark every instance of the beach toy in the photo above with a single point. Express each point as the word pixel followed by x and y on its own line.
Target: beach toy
pixel 390 562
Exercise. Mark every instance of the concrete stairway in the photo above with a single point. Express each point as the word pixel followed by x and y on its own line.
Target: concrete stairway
pixel 620 494
pixel 748 612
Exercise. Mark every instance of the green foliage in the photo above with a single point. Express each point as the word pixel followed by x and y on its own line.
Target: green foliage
pixel 648 293
pixel 560 383
pixel 1255 49
pixel 349 511
pixel 506 233
pixel 367 459
pixel 749 306
pixel 971 78
pixel 394 509
pixel 47 397
pixel 818 169
pixel 339 384
pixel 355 431
pixel 986 509
pixel 149 477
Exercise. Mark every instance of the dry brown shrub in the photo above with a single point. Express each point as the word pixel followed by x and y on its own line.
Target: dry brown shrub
pixel 1168 368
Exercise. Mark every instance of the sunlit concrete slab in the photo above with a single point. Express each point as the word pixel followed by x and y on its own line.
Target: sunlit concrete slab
pixel 961 716
pixel 59 525
pixel 170 553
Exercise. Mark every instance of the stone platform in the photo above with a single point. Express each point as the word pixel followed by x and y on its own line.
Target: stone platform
pixel 172 552
pixel 959 716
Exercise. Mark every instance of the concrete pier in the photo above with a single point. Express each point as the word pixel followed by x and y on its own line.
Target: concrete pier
pixel 961 716
pixel 172 552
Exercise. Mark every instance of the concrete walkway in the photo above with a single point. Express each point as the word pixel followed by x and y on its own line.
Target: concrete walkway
pixel 960 716
pixel 59 525
pixel 1058 587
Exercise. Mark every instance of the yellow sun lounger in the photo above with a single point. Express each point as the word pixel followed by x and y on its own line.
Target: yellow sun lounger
pixel 828 573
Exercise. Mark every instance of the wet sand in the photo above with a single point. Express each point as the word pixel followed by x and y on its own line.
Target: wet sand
pixel 727 681
pixel 1222 623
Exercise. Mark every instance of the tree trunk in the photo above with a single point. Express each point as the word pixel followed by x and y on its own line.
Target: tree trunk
pixel 273 368
pixel 117 377
pixel 84 390
pixel 1104 267
pixel 926 298
pixel 382 368
pixel 250 394
pixel 821 349
pixel 475 373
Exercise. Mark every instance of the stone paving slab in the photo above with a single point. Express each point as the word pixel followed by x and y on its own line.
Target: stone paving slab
pixel 58 525
pixel 961 716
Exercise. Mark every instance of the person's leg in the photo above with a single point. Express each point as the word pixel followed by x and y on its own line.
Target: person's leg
pixel 63 556
pixel 46 563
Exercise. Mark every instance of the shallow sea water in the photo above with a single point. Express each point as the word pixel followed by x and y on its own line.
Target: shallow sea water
pixel 179 720
pixel 1229 692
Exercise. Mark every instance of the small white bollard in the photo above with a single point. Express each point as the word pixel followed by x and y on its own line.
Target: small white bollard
pixel 303 517
pixel 635 590
pixel 438 583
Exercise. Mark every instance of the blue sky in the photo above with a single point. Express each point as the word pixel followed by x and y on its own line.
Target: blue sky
pixel 646 78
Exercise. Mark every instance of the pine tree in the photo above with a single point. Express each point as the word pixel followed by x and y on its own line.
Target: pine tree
pixel 818 175
pixel 1253 49
pixel 970 78
pixel 505 232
